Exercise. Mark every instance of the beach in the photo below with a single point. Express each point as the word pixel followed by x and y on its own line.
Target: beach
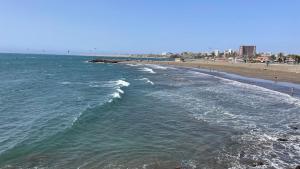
pixel 276 72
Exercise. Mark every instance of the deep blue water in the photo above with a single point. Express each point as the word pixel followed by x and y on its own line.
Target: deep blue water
pixel 61 112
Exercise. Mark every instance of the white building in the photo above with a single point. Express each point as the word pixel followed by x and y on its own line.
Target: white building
pixel 228 51
pixel 164 53
pixel 216 52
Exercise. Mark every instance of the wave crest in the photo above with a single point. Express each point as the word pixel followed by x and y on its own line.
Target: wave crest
pixel 147 81
pixel 117 94
pixel 122 83
pixel 145 69
pixel 157 66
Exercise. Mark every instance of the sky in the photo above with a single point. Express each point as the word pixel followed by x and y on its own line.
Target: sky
pixel 148 26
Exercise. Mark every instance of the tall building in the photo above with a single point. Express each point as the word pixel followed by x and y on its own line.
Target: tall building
pixel 247 52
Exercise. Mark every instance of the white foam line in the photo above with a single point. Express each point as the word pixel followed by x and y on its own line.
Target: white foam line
pixel 156 66
pixel 120 91
pixel 65 83
pixel 147 80
pixel 122 83
pixel 119 84
pixel 116 95
pixel 199 74
pixel 94 85
pixel 133 65
pixel 289 98
pixel 149 70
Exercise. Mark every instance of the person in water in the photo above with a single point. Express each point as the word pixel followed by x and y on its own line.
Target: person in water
pixel 292 91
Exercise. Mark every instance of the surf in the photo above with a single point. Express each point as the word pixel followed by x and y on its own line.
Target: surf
pixel 149 70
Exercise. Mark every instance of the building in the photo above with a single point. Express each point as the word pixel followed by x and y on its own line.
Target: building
pixel 164 53
pixel 179 60
pixel 216 52
pixel 247 52
pixel 262 59
pixel 228 53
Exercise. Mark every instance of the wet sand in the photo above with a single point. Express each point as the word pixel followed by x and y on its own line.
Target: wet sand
pixel 276 72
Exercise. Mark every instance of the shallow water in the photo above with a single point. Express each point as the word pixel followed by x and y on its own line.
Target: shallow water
pixel 61 112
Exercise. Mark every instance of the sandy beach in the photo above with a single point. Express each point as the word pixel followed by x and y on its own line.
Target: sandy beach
pixel 276 72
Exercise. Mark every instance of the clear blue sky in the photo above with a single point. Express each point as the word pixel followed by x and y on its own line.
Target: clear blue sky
pixel 143 26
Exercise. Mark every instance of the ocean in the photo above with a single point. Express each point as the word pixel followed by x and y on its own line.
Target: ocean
pixel 60 112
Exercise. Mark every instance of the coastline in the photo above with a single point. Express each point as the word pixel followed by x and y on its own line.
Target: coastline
pixel 221 115
pixel 275 72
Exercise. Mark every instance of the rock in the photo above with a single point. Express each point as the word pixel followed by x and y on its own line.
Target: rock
pixel 298 167
pixel 282 139
pixel 104 61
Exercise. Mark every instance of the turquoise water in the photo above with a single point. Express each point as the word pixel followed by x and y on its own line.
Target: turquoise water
pixel 61 112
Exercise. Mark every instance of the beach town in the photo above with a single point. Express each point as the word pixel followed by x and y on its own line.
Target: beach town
pixel 245 61
pixel 246 54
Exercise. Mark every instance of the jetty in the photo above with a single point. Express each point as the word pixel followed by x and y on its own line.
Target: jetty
pixel 105 61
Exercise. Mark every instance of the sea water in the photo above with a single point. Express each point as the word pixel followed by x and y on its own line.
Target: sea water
pixel 62 112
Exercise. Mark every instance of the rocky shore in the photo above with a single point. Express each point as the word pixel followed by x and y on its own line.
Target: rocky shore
pixel 106 61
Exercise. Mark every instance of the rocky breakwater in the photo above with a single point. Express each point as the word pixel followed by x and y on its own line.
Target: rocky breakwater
pixel 105 61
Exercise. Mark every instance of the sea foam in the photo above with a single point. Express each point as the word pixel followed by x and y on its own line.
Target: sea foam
pixel 121 83
pixel 133 65
pixel 149 70
pixel 263 135
pixel 116 95
pixel 65 83
pixel 157 66
pixel 278 95
pixel 118 86
pixel 147 81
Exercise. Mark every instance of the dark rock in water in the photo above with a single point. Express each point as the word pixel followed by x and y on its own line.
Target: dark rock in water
pixel 282 139
pixel 298 167
pixel 104 61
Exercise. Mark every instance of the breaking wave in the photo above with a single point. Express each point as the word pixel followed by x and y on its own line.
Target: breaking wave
pixel 271 93
pixel 133 65
pixel 149 70
pixel 147 80
pixel 122 83
pixel 157 66
pixel 267 139
pixel 118 86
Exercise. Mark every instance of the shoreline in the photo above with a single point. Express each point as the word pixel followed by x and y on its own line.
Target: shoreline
pixel 282 73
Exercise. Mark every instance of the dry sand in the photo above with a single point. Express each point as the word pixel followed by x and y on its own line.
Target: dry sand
pixel 276 72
